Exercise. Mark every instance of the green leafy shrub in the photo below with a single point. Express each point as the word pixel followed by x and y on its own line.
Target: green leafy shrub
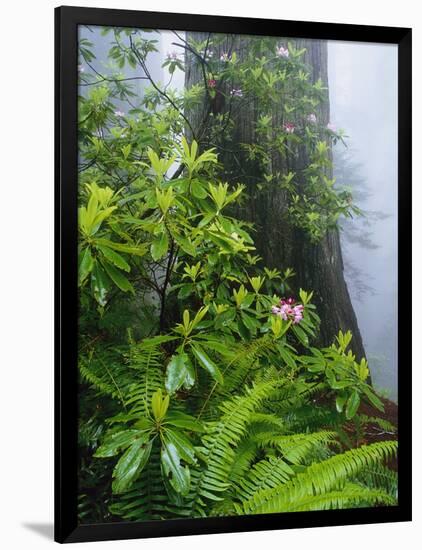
pixel 215 401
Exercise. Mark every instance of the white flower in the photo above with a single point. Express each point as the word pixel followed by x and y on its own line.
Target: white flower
pixel 282 52
pixel 172 55
pixel 236 92
pixel 119 114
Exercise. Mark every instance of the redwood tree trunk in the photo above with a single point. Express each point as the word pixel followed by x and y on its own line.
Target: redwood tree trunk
pixel 318 267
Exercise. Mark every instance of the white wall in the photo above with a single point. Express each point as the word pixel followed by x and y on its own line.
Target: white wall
pixel 27 271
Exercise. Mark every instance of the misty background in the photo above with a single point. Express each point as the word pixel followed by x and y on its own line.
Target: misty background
pixel 363 101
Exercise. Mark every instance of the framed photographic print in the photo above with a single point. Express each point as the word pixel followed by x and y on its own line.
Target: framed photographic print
pixel 232 265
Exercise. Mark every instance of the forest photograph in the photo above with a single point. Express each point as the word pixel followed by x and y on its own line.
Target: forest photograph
pixel 237 275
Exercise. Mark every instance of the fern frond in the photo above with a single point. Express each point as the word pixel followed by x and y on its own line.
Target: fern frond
pixel 131 377
pixel 222 437
pixel 244 456
pixel 242 365
pixel 266 474
pixel 380 477
pixel 146 361
pixel 295 448
pixel 350 496
pixel 107 373
pixel 264 421
pixel 320 478
pixel 384 425
pixel 311 417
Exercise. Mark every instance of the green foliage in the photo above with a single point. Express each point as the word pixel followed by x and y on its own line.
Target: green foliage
pixel 325 484
pixel 211 405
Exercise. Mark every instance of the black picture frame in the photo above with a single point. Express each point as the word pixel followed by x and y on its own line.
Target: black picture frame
pixel 67 20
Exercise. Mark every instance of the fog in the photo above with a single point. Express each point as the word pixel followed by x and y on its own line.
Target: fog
pixel 363 101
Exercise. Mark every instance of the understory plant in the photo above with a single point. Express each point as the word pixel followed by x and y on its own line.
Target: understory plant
pixel 201 392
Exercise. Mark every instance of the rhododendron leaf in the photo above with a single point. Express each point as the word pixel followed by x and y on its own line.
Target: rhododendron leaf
pixel 287 357
pixel 115 258
pixel 340 384
pixel 185 291
pixel 243 330
pixel 181 442
pixel 186 245
pixel 99 284
pixel 134 249
pixel 159 405
pixel 117 277
pixel 115 442
pixel 340 401
pixel 86 263
pixel 198 190
pixel 179 476
pixel 301 335
pixel 373 398
pixel 131 464
pixel 180 372
pixel 182 420
pixel 159 246
pixel 352 405
pixel 207 363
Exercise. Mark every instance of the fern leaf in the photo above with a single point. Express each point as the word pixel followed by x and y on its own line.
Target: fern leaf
pixel 266 474
pixel 222 437
pixel 295 448
pixel 320 478
pixel 351 496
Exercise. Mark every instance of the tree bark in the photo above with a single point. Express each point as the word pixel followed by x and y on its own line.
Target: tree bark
pixel 318 267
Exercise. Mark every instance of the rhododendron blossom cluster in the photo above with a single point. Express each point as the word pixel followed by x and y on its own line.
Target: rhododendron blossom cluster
pixel 236 92
pixel 288 310
pixel 289 127
pixel 173 55
pixel 282 52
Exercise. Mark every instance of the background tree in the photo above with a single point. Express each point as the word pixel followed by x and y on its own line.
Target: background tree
pixel 356 232
pixel 240 121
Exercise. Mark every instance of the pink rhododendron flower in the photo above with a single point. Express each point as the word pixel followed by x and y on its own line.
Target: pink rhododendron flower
pixel 311 118
pixel 212 83
pixel 172 55
pixel 331 127
pixel 119 113
pixel 282 52
pixel 288 310
pixel 289 127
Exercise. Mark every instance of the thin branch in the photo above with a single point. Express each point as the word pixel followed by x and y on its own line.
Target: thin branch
pixel 169 268
pixel 155 86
